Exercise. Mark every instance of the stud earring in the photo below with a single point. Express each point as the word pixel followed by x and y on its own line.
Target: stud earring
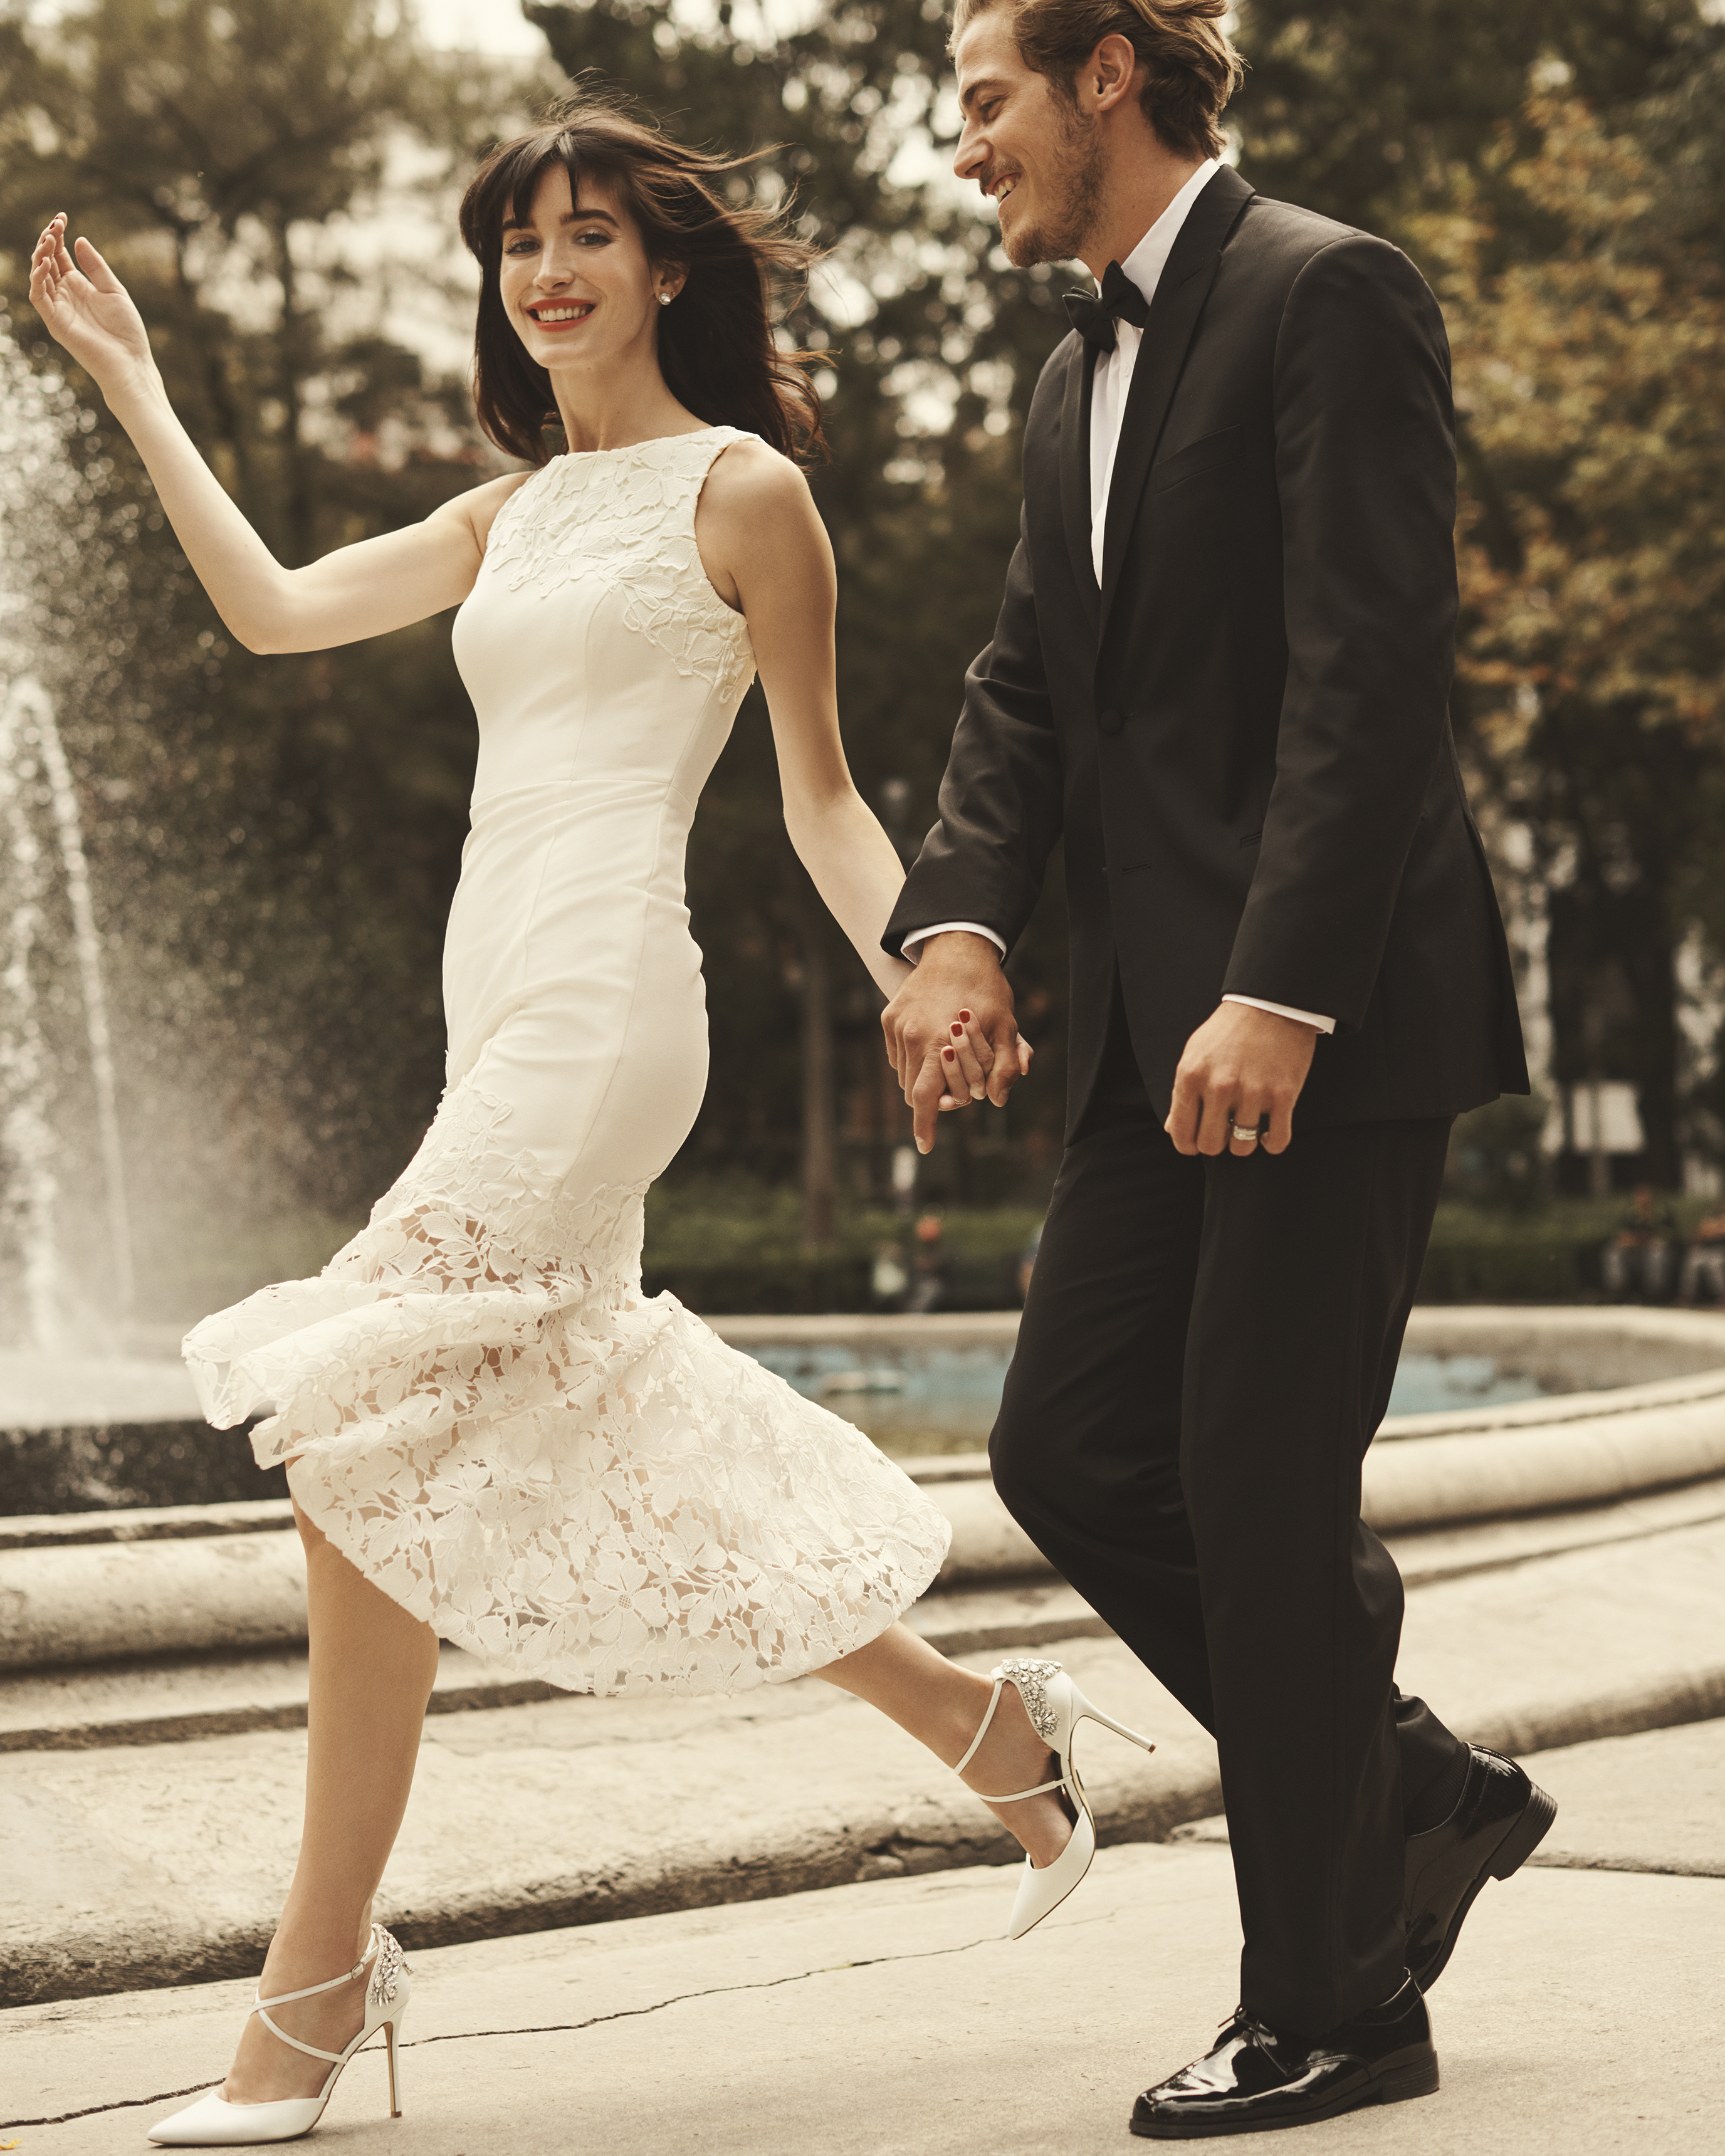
pixel 664 299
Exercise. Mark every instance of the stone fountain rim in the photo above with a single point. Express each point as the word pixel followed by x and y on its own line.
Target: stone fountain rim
pixel 1679 1327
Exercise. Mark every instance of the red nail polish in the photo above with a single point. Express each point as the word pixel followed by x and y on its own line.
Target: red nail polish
pixel 956 1030
pixel 949 1055
pixel 965 1015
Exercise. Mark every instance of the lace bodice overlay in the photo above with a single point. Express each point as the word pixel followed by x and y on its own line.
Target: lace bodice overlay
pixel 477 1403
pixel 627 518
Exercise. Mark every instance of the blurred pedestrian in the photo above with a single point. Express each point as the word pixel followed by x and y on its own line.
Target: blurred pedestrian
pixel 1027 1262
pixel 928 1267
pixel 1640 1263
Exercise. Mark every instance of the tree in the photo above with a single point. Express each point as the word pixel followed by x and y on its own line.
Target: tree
pixel 1366 112
pixel 1591 383
pixel 275 839
pixel 1417 121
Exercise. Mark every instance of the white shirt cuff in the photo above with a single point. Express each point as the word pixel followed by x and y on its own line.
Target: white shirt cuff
pixel 910 948
pixel 1285 1010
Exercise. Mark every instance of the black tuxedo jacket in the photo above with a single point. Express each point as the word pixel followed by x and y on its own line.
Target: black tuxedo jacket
pixel 1243 734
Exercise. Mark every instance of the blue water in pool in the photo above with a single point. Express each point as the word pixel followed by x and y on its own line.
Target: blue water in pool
pixel 916 1400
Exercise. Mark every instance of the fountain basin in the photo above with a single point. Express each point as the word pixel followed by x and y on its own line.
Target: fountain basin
pixel 193 1579
pixel 102 1434
pixel 928 1387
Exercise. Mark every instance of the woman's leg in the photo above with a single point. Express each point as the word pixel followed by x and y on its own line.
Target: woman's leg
pixel 371 1669
pixel 942 1705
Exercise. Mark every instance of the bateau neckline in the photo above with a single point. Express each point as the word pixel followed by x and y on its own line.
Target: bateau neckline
pixel 628 449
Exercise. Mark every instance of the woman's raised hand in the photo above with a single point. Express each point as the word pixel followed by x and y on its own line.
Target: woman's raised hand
pixel 88 310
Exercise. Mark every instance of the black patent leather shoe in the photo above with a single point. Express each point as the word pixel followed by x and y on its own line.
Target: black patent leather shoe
pixel 1500 1818
pixel 1256 2079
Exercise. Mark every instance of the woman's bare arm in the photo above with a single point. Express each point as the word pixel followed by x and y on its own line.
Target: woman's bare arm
pixel 356 592
pixel 767 551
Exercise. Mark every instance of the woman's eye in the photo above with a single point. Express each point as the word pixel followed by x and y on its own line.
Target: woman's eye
pixel 594 237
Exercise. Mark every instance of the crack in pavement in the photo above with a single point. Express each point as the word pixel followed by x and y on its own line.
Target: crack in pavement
pixel 555 2028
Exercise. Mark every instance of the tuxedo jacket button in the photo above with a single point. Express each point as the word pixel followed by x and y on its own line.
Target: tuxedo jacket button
pixel 1110 722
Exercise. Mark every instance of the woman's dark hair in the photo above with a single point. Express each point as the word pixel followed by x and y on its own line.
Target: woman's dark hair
pixel 716 348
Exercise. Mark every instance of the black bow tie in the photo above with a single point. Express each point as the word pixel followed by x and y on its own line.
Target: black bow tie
pixel 1093 316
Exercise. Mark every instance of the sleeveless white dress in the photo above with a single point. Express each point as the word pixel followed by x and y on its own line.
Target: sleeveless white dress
pixel 480 1407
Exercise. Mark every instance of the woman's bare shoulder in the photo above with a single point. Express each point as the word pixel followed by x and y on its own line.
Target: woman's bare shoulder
pixel 750 478
pixel 477 506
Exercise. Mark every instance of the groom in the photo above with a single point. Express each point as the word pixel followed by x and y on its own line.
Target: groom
pixel 1221 672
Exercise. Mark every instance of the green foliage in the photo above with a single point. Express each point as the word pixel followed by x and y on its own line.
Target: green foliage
pixel 1365 112
pixel 1559 174
pixel 729 1244
pixel 1483 1253
pixel 1495 1155
pixel 1591 382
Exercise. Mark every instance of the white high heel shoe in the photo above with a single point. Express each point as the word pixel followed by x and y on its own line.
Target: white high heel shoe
pixel 214 2122
pixel 1055 1706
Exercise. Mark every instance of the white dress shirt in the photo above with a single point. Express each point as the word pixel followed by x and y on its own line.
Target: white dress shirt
pixel 1110 385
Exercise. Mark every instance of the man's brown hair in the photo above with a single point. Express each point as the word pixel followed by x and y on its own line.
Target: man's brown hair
pixel 1190 66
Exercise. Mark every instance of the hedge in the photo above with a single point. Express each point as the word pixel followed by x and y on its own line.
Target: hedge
pixel 743 1256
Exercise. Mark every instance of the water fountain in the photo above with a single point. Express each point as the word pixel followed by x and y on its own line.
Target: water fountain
pixel 54 1010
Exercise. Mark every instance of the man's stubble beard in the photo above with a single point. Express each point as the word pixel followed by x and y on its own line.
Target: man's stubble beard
pixel 1079 178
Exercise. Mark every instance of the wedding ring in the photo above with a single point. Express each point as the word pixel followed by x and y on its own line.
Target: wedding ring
pixel 1241 1135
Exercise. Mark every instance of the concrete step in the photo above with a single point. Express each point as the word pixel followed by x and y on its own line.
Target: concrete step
pixel 69 1602
pixel 162 1698
pixel 166 1862
pixel 168 1698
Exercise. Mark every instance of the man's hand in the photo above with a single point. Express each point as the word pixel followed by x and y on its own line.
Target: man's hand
pixel 950 1029
pixel 1240 1066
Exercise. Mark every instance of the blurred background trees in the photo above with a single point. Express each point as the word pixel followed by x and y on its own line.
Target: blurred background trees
pixel 278 839
pixel 1558 176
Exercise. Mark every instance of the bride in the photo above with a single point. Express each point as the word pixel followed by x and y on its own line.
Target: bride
pixel 491 1437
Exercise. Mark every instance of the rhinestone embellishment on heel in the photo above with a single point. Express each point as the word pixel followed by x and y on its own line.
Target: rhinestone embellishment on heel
pixel 386 1974
pixel 1031 1678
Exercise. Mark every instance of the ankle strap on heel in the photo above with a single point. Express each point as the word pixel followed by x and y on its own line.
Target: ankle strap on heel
pixel 260 2006
pixel 1003 1677
pixel 981 1730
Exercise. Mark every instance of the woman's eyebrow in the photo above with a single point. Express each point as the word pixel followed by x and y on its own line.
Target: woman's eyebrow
pixel 569 217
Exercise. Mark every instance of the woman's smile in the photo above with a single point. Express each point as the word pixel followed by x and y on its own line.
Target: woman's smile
pixel 559 314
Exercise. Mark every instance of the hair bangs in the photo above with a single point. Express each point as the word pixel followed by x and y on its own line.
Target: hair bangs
pixel 717 349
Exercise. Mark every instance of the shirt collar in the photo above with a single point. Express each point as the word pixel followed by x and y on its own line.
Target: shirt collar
pixel 1148 260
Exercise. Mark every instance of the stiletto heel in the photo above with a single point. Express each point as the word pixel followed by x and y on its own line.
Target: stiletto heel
pixel 214 2122
pixel 1055 1706
pixel 1096 1714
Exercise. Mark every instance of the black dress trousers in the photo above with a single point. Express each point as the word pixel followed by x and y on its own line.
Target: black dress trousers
pixel 1207 1348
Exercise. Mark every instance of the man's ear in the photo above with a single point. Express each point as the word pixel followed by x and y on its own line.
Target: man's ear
pixel 1109 76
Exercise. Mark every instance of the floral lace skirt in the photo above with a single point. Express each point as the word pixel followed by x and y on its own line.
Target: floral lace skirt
pixel 483 1412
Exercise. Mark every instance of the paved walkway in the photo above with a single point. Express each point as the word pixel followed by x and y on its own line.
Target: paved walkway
pixel 890 2019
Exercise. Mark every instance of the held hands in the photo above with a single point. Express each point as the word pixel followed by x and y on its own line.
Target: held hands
pixel 1241 1065
pixel 86 308
pixel 945 1061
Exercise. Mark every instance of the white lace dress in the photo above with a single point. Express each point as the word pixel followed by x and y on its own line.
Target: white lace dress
pixel 479 1406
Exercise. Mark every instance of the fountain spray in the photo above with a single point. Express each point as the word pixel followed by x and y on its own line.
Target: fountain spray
pixel 35 776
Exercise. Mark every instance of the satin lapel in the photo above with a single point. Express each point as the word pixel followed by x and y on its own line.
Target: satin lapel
pixel 1179 300
pixel 1075 475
